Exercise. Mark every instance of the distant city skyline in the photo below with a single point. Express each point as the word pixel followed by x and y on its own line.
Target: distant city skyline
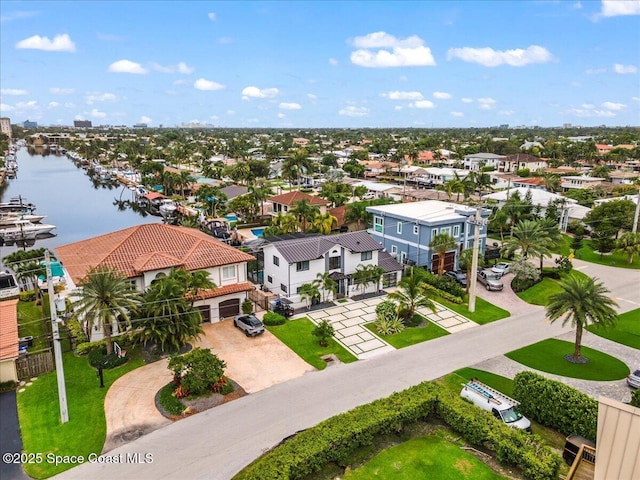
pixel 311 64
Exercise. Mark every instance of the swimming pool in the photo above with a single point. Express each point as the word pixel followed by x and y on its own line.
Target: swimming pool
pixel 231 218
pixel 258 232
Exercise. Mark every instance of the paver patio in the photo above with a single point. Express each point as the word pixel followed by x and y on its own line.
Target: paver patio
pixel 349 319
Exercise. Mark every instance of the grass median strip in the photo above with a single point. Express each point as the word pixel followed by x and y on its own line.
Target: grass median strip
pixel 485 312
pixel 626 330
pixel 410 335
pixel 84 433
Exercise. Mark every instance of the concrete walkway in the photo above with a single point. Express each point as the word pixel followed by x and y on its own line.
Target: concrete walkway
pixel 348 320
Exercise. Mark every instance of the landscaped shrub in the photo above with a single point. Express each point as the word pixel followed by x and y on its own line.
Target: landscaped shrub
pixel 98 358
pixel 247 306
pixel 446 284
pixel 197 371
pixel 389 326
pixel 29 296
pixel 169 402
pixel 445 295
pixel 6 386
pixel 76 331
pixel 273 318
pixel 86 348
pixel 635 398
pixel 323 331
pixel 556 405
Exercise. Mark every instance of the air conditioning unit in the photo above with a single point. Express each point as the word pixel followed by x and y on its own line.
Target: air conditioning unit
pixel 393 255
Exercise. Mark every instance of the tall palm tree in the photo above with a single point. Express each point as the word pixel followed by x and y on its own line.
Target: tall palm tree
pixel 550 227
pixel 260 192
pixel 309 292
pixel 326 284
pixel 324 223
pixel 305 212
pixel 530 238
pixel 411 294
pixel 582 301
pixel 106 297
pixel 629 244
pixel 193 282
pixel 357 213
pixel 442 243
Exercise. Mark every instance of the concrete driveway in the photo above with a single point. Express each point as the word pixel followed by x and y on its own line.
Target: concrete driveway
pixel 255 363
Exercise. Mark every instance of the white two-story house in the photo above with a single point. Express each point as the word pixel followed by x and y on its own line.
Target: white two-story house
pixel 289 264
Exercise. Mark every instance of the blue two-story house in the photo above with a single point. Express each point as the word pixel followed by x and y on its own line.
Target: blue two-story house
pixel 405 230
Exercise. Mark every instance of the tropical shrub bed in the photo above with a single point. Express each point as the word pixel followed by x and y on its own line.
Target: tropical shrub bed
pixel 99 358
pixel 273 319
pixel 556 405
pixel 336 438
pixel 446 284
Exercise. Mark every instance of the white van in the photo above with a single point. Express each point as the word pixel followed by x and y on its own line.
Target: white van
pixel 503 407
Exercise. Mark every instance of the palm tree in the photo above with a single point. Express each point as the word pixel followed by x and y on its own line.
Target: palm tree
pixel 466 262
pixel 376 272
pixel 193 282
pixel 361 277
pixel 260 192
pixel 326 284
pixel 185 180
pixel 324 223
pixel 309 292
pixel 629 244
pixel 582 301
pixel 305 212
pixel 289 223
pixel 442 243
pixel 106 296
pixel 530 238
pixel 357 213
pixel 412 295
pixel 550 227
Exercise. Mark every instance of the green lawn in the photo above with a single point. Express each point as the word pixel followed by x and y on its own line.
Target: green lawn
pixel 411 335
pixel 540 293
pixel 297 335
pixel 428 457
pixel 85 432
pixel 30 323
pixel 548 356
pixel 587 254
pixel 626 330
pixel 485 312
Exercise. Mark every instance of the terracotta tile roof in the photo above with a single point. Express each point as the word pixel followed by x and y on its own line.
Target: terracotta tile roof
pixel 339 213
pixel 153 246
pixel 291 198
pixel 8 329
pixel 226 290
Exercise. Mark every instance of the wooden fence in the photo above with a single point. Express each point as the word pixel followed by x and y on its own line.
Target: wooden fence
pixel 34 364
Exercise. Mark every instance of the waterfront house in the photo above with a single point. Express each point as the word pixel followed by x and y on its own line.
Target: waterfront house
pixel 145 253
pixel 287 201
pixel 289 264
pixel 405 230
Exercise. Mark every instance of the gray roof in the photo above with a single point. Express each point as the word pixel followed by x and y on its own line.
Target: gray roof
pixel 233 191
pixel 388 263
pixel 311 248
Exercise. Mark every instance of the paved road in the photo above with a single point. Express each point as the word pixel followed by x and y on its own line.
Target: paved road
pixel 218 443
pixel 10 441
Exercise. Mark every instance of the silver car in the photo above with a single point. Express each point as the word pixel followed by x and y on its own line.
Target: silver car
pixel 490 280
pixel 633 380
pixel 501 268
pixel 249 324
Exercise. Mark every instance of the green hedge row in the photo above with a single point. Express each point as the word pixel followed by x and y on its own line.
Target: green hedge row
pixel 336 438
pixel 444 283
pixel 273 318
pixel 443 294
pixel 556 405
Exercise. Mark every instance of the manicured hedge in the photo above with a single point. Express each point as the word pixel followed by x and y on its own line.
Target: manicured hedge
pixel 445 283
pixel 334 439
pixel 556 405
pixel 443 294
pixel 273 318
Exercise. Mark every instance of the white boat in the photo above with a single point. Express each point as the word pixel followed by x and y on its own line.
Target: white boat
pixel 167 207
pixel 9 219
pixel 25 230
pixel 9 288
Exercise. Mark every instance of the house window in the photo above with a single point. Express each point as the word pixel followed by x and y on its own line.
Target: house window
pixel 334 263
pixel 434 232
pixel 403 257
pixel 378 223
pixel 228 272
pixel 276 261
pixel 366 256
pixel 456 231
pixel 302 266
pixel 446 230
pixel 283 287
pixel 298 290
pixel 416 229
pixel 394 250
pixel 269 279
pixel 399 228
pixel 389 280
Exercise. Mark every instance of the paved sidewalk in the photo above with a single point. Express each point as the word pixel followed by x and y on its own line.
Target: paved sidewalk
pixel 348 320
pixel 616 389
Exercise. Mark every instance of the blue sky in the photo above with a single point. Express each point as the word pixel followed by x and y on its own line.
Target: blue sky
pixel 321 64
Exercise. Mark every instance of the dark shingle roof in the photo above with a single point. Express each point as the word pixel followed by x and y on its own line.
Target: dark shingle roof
pixel 388 263
pixel 314 247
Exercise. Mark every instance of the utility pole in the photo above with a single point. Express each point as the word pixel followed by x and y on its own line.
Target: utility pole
pixel 478 222
pixel 635 218
pixel 57 348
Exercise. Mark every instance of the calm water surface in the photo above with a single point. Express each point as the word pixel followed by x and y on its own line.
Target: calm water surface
pixel 68 198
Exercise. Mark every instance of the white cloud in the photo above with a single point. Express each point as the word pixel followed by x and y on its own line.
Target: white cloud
pixel 467 100
pixel 398 95
pixel 13 92
pixel 6 108
pixel 53 104
pixel 576 6
pixel 69 105
pixel 422 104
pixel 179 68
pixel 486 103
pixel 492 58
pixel 20 15
pixel 61 91
pixel 145 119
pixel 92 97
pixel 407 52
pixel 384 40
pixel 457 114
pixel 614 8
pixel 290 106
pixel 397 108
pixel 180 81
pixel 311 96
pixel 353 111
pixel 208 85
pixel 403 78
pixel 281 115
pixel 31 104
pixel 613 106
pixel 255 92
pixel 622 69
pixel 126 66
pixel 587 106
pixel 590 112
pixel 184 68
pixel 635 99
pixel 212 16
pixel 442 95
pixel 97 113
pixel 333 62
pixel 60 43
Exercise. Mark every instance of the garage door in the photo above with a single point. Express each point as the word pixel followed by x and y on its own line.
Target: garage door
pixel 449 262
pixel 205 313
pixel 229 308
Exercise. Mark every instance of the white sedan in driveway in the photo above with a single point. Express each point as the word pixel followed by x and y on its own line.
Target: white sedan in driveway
pixel 501 268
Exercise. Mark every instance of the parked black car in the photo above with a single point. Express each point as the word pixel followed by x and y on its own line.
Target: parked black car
pixel 459 277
